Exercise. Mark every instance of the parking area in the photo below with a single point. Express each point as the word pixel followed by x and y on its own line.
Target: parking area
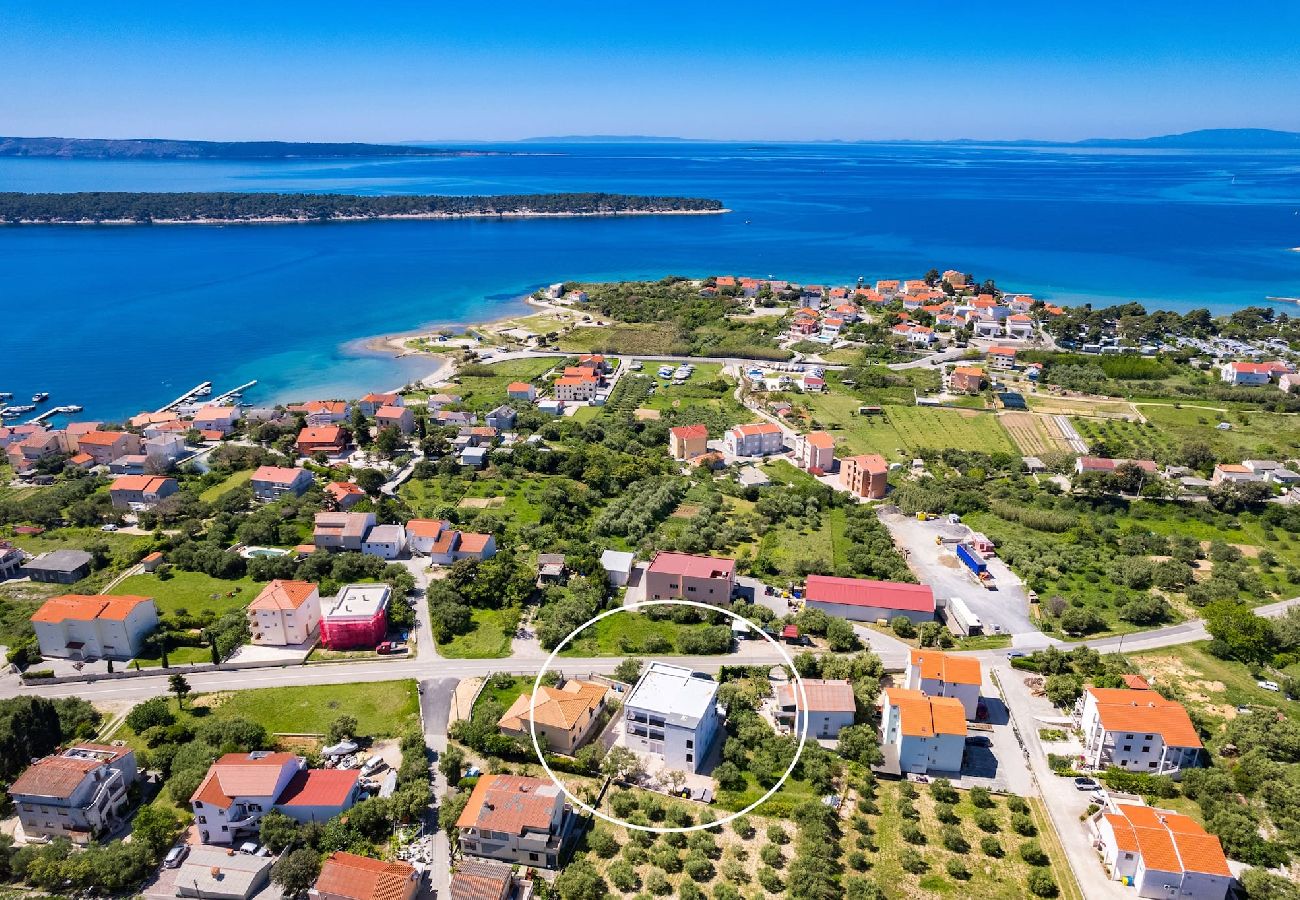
pixel 937 565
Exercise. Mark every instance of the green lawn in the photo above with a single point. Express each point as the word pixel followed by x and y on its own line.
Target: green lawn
pixel 787 546
pixel 217 491
pixel 493 631
pixel 193 591
pixel 484 392
pixel 503 689
pixel 628 338
pixel 381 708
pixel 177 656
pixel 435 497
pixel 902 430
pixel 1254 434
pixel 628 633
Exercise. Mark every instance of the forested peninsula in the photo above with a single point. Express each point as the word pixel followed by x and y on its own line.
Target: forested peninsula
pixel 167 148
pixel 229 208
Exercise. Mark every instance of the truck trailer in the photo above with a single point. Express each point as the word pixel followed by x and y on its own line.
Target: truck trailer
pixel 960 618
pixel 971 559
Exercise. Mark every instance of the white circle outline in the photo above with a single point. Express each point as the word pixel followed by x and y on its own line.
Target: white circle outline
pixel 803 730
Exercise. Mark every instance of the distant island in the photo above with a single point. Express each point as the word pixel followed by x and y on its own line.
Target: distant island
pixel 161 148
pixel 130 208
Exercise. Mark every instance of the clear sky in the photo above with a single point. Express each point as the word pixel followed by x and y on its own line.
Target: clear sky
pixel 387 70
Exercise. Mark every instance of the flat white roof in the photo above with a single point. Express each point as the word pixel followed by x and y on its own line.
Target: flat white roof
pixel 386 534
pixel 357 600
pixel 675 693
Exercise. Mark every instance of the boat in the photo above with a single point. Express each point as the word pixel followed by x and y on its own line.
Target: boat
pixel 6 395
pixel 11 411
pixel 70 408
pixel 40 397
pixel 203 391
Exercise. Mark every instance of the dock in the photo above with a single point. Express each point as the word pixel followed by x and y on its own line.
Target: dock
pixel 188 395
pixel 48 414
pixel 239 390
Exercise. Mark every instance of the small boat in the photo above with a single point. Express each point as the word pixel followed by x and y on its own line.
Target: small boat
pixel 203 391
pixel 40 397
pixel 10 411
pixel 70 408
pixel 6 395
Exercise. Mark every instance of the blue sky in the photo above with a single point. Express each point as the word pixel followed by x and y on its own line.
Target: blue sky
pixel 390 71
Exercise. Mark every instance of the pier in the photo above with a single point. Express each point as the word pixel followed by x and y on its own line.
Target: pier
pixel 239 390
pixel 195 391
pixel 48 414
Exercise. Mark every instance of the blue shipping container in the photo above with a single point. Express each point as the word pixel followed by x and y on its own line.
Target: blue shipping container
pixel 972 561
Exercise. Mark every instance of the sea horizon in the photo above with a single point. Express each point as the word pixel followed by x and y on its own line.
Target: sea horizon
pixel 293 305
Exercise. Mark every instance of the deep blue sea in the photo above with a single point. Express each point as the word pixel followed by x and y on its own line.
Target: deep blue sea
pixel 123 318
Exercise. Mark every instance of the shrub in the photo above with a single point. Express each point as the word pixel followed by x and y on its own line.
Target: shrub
pixel 623 876
pixel 667 859
pixel 980 798
pixel 985 821
pixel 957 870
pixel 770 881
pixel 913 862
pixel 907 810
pixel 657 883
pixel 1033 854
pixel 1041 883
pixel 602 843
pixel 907 790
pixel 942 791
pixel 698 867
pixel 771 855
pixel 991 846
pixel 912 834
pixel 776 834
pixel 954 840
pixel 1024 826
pixel 857 861
pixel 743 827
pixel 945 813
pixel 1017 804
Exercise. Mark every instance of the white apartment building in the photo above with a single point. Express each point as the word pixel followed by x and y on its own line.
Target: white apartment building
pixel 514 819
pixel 1137 730
pixel 758 439
pixel 922 734
pixel 385 541
pixel 102 626
pixel 79 793
pixel 938 674
pixel 672 714
pixel 1161 853
pixel 284 613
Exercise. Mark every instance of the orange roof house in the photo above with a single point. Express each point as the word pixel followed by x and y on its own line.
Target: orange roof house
pixel 922 734
pixel 563 716
pixel 938 674
pixel 102 626
pixel 1138 730
pixel 283 594
pixel 688 441
pixel 1162 852
pixel 967 379
pixel 346 876
pixel 327 439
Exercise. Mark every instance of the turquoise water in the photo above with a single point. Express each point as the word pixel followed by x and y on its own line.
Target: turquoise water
pixel 123 318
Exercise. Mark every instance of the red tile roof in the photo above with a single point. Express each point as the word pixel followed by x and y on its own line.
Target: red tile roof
pixel 865 592
pixel 1168 841
pixel 823 696
pixel 510 803
pixel 684 564
pixel 320 787
pixel 946 667
pixel 146 484
pixel 922 716
pixel 362 878
pixel 54 776
pixel 284 475
pixel 1119 709
pixel 283 594
pixel 84 608
pixel 686 432
pixel 480 879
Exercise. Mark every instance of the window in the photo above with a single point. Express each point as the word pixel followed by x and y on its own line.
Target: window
pixel 1146 748
pixel 690 745
pixel 691 589
pixel 657 721
pixel 1151 765
pixel 656 735
pixel 532 857
pixel 203 820
pixel 690 757
pixel 225 828
pixel 1148 737
pixel 1128 747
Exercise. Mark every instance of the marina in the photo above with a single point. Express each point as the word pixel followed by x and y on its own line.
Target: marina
pixel 202 389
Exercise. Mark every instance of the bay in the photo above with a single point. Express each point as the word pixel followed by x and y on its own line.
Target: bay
pixel 122 318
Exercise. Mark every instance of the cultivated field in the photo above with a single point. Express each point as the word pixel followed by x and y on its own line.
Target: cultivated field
pixel 1033 434
pixel 904 429
pixel 1078 406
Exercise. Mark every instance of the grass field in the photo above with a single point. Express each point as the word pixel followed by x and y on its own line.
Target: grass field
pixel 193 592
pixel 787 546
pixel 234 480
pixel 494 629
pixel 503 689
pixel 907 428
pixel 382 708
pixel 484 392
pixel 1073 406
pixel 1254 434
pixel 1216 686
pixel 435 496
pixel 628 633
pixel 648 338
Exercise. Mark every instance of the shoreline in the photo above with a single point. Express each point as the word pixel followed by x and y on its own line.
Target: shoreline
pixel 395 217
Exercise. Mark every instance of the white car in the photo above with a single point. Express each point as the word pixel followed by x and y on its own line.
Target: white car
pixel 109 527
pixel 1269 685
pixel 175 856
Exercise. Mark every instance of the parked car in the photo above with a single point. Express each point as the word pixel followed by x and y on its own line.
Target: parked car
pixel 175 856
pixel 109 527
pixel 1086 784
pixel 1269 685
pixel 249 847
pixel 1016 654
pixel 388 647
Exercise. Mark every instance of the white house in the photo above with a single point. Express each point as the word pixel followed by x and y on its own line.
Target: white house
pixel 445 545
pixel 514 819
pixel 618 566
pixel 831 706
pixel 273 482
pixel 937 674
pixel 242 787
pixel 1137 730
pixel 672 715
pixel 1161 853
pixel 1020 326
pixel 758 439
pixel 385 541
pixel 1246 373
pixel 284 613
pixel 920 733
pixel 102 626
pixel 982 327
pixel 78 793
pixel 423 534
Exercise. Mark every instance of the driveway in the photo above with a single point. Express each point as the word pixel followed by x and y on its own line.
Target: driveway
pixel 435 707
pixel 938 566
